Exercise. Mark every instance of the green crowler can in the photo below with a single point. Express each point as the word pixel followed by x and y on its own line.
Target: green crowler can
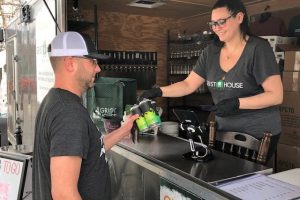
pixel 152 119
pixel 141 121
pixel 153 105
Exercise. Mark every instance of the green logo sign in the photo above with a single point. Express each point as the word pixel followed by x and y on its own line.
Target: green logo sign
pixel 220 84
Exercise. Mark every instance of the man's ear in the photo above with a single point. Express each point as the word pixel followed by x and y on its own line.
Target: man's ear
pixel 69 64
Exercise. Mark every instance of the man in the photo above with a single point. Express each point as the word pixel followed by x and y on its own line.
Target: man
pixel 69 152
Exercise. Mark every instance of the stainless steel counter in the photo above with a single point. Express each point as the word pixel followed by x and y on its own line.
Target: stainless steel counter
pixel 162 154
pixel 167 151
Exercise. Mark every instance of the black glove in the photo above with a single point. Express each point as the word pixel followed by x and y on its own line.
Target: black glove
pixel 151 94
pixel 227 107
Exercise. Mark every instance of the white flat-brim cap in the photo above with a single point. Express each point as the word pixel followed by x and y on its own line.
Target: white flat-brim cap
pixel 74 44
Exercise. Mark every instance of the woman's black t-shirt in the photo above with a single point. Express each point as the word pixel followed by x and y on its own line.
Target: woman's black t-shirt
pixel 256 63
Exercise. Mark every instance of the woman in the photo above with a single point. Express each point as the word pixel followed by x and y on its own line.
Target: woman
pixel 241 73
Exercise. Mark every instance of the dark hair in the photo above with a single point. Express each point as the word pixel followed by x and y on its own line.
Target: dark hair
pixel 234 7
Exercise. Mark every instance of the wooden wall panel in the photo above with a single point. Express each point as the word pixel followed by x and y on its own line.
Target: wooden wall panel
pixel 283 9
pixel 120 31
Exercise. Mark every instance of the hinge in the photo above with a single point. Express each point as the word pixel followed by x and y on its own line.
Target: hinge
pixel 16 58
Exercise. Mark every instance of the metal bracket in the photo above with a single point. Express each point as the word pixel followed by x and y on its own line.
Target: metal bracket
pixel 25 14
pixel 16 58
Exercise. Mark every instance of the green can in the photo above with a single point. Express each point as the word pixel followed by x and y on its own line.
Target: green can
pixel 152 119
pixel 141 121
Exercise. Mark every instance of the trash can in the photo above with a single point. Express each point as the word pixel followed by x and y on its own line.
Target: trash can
pixel 3 131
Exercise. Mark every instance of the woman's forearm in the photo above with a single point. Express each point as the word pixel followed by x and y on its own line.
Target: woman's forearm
pixel 272 95
pixel 182 88
pixel 259 101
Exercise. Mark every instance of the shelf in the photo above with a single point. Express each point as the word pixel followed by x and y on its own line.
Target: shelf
pixel 182 41
pixel 79 25
pixel 180 75
pixel 192 40
pixel 185 58
pixel 182 55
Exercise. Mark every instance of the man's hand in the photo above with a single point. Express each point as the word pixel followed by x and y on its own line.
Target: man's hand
pixel 227 107
pixel 125 130
pixel 151 94
pixel 128 123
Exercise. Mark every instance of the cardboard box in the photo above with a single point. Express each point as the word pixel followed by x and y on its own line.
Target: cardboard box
pixel 275 40
pixel 291 81
pixel 292 61
pixel 288 157
pixel 287 47
pixel 290 119
pixel 289 40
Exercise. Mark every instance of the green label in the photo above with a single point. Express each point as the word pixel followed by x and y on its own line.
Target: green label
pixel 151 118
pixel 220 84
pixel 158 119
pixel 141 124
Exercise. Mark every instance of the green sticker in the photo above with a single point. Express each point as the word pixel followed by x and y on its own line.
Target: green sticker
pixel 141 124
pixel 151 118
pixel 220 84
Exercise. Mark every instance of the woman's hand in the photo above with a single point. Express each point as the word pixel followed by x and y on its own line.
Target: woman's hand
pixel 227 107
pixel 150 94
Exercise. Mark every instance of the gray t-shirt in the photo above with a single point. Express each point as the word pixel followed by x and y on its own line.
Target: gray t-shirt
pixel 64 128
pixel 256 63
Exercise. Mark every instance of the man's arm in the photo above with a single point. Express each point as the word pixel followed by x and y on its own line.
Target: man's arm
pixel 65 172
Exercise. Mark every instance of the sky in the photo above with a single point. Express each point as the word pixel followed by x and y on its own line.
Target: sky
pixel 8 9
